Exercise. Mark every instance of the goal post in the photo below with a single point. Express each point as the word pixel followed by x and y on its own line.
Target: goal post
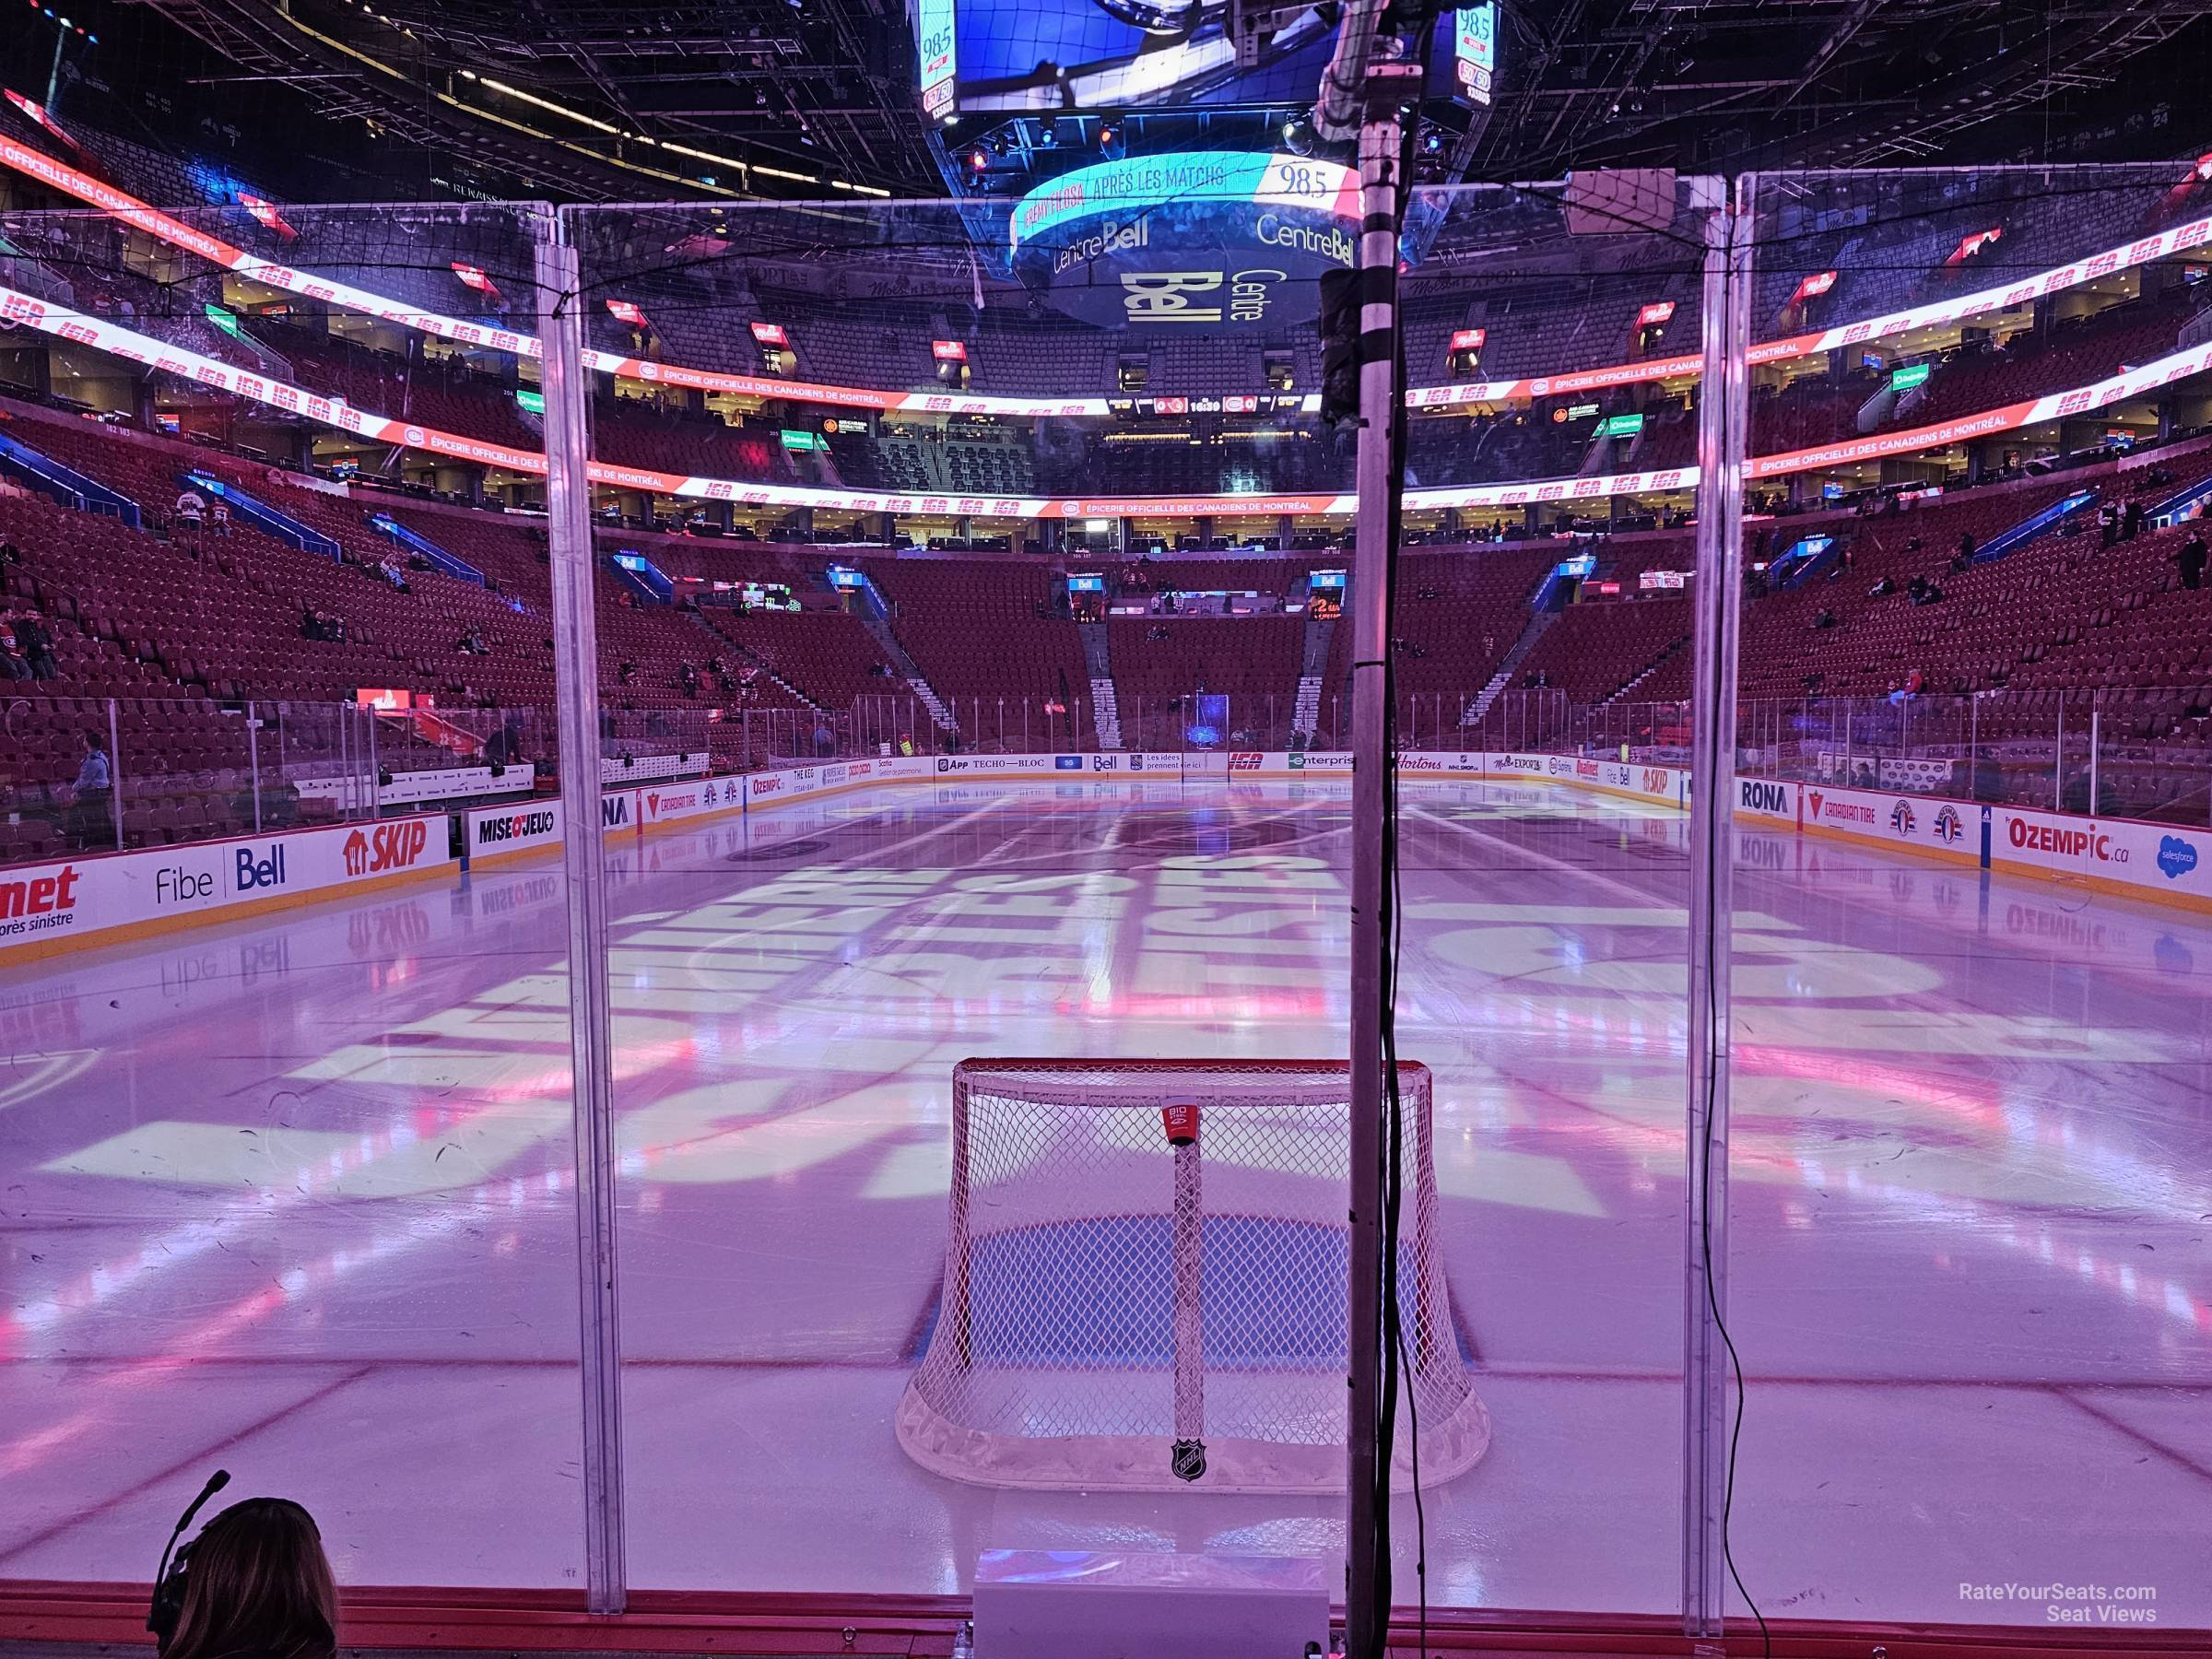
pixel 1145 1283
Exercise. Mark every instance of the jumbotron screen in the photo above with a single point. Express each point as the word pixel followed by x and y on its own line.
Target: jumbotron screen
pixel 1009 56
pixel 1196 241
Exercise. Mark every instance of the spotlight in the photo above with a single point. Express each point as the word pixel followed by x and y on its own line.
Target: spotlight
pixel 1432 142
pixel 979 159
pixel 1298 137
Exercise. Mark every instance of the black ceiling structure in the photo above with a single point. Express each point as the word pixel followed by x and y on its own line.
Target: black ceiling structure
pixel 598 99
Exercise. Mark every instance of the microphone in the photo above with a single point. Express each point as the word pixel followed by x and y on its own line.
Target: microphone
pixel 163 1594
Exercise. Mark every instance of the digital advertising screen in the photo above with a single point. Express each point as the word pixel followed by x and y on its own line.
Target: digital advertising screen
pixel 1009 56
pixel 1189 242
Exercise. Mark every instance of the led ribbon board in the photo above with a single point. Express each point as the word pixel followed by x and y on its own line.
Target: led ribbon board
pixel 27 310
pixel 1194 242
pixel 70 181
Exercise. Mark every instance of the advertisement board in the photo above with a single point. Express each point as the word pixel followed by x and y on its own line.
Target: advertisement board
pixel 491 832
pixel 1125 54
pixel 693 797
pixel 56 905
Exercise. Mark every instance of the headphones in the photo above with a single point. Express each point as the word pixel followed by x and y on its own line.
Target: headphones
pixel 168 1578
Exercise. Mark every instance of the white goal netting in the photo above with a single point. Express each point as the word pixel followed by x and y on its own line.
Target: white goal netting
pixel 1119 1312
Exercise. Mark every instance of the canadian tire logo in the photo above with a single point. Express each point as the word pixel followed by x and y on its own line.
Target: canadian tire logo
pixel 653 802
pixel 1813 797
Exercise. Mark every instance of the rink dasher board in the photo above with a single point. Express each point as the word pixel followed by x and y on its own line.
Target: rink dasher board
pixel 101 899
pixel 2161 863
pixel 108 897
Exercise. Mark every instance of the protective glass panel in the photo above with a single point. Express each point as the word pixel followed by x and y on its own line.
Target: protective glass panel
pixel 287 1136
pixel 1012 565
pixel 1968 1157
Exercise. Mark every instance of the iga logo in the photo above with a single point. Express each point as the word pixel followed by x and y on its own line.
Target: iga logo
pixel 2176 857
pixel 1901 819
pixel 1949 827
pixel 387 847
pixel 1243 761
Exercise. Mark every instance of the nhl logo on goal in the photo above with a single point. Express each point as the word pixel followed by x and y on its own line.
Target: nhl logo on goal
pixel 1188 1460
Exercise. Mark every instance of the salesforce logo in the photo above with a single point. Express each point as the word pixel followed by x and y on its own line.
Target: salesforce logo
pixel 2176 857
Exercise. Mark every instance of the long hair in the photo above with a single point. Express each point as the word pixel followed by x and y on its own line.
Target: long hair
pixel 257 1582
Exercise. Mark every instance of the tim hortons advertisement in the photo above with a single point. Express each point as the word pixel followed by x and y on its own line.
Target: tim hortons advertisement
pixel 50 905
pixel 494 832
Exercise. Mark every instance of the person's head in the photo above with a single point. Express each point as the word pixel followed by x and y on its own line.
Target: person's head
pixel 257 1584
pixel 92 743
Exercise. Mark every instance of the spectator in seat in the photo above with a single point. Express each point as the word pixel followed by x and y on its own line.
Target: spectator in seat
pixel 260 1587
pixel 91 794
pixel 626 672
pixel 1965 556
pixel 2191 557
pixel 1881 589
pixel 687 677
pixel 218 517
pixel 1823 619
pixel 14 663
pixel 35 644
pixel 192 507
pixel 2131 520
pixel 2108 522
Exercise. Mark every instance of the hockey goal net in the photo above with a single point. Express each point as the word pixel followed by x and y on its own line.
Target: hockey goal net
pixel 1122 1311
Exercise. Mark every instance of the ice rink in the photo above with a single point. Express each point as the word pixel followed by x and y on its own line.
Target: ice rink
pixel 296 1198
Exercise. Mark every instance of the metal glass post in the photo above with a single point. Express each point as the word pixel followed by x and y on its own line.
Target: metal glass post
pixel 1723 414
pixel 253 759
pixel 114 775
pixel 1367 1581
pixel 2096 720
pixel 576 672
pixel 2058 761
